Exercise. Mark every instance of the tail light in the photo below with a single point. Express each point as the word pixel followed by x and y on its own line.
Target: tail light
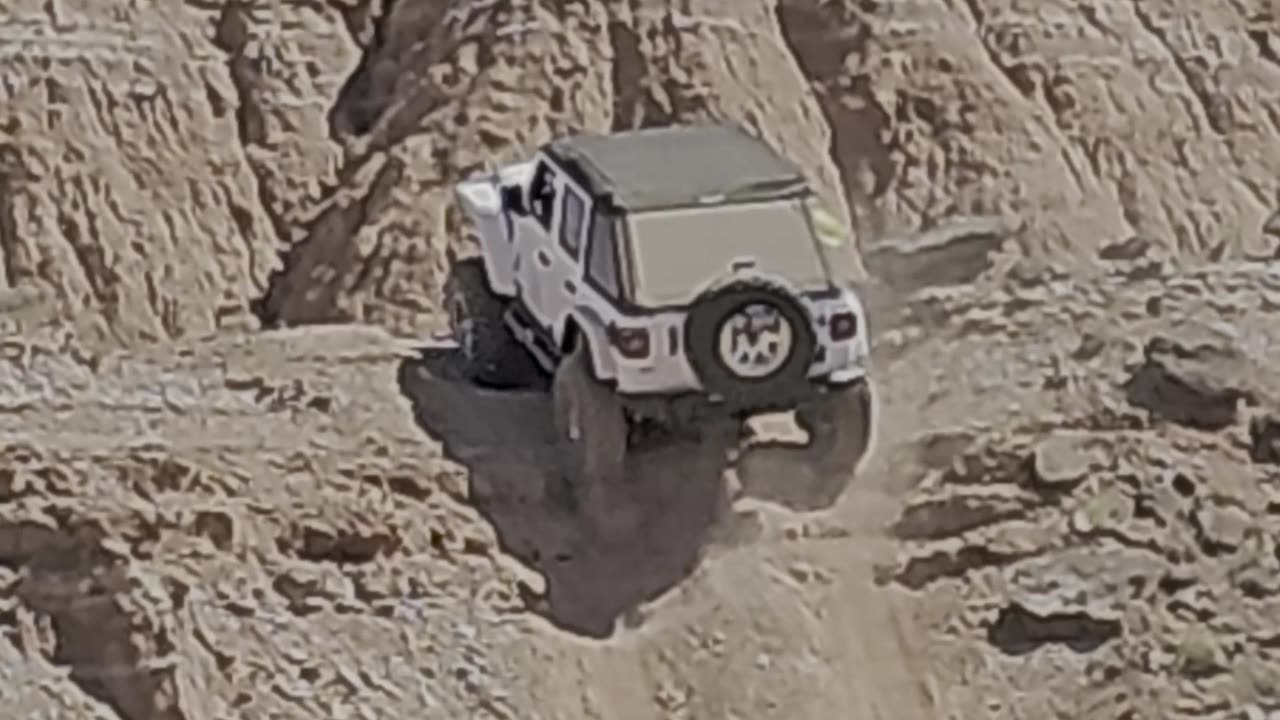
pixel 632 343
pixel 844 325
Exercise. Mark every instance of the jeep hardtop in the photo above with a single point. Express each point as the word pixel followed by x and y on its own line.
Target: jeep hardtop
pixel 661 274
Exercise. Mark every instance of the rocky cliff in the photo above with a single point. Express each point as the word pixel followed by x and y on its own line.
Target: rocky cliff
pixel 232 485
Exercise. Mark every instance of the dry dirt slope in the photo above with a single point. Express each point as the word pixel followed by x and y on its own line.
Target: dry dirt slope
pixel 1095 527
pixel 158 157
pixel 170 170
pixel 256 525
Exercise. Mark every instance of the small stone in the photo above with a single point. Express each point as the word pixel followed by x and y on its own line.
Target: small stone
pixel 1224 525
pixel 1198 653
pixel 1133 248
pixel 1108 508
pixel 218 526
pixel 801 573
pixel 1067 457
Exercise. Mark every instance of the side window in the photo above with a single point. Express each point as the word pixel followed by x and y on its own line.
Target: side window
pixel 571 218
pixel 542 195
pixel 602 258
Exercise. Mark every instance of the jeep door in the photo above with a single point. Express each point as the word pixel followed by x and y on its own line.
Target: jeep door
pixel 560 261
pixel 535 237
pixel 500 231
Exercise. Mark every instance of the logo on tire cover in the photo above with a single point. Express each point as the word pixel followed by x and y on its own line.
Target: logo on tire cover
pixel 755 341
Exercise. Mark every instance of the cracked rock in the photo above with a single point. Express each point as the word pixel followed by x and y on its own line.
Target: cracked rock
pixel 1196 386
pixel 956 253
pixel 1018 631
pixel 1064 459
pixel 1264 439
pixel 1223 527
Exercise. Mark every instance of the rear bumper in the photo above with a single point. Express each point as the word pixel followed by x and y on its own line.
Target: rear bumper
pixel 848 375
pixel 694 407
pixel 668 371
pixel 836 364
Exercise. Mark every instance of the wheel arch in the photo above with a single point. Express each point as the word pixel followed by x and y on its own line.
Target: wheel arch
pixel 570 335
pixel 584 324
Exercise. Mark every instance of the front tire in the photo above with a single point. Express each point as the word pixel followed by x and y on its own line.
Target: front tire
pixel 488 353
pixel 591 430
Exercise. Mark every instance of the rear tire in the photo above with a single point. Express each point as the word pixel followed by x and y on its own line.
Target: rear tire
pixel 591 430
pixel 488 353
pixel 839 425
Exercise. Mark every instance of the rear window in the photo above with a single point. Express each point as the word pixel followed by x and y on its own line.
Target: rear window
pixel 677 253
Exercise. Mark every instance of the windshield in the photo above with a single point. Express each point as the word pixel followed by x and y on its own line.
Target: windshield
pixel 676 253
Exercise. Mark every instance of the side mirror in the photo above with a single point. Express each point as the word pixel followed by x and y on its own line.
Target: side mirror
pixel 513 199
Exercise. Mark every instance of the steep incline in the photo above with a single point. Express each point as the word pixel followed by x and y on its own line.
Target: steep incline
pixel 449 88
pixel 243 527
pixel 1094 525
pixel 1090 524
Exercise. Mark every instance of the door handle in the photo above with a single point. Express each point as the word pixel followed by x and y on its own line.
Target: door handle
pixel 543 258
pixel 570 287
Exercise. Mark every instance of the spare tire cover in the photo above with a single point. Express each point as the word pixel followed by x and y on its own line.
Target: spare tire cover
pixel 749 336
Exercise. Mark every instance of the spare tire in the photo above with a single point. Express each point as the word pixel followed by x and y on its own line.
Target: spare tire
pixel 748 339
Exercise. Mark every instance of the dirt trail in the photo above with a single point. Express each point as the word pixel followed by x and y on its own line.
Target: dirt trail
pixel 632 593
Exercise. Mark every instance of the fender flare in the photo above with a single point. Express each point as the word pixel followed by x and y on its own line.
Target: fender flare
pixel 592 324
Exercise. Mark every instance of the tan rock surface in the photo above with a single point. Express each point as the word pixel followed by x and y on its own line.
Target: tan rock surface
pixel 125 194
pixel 1088 125
pixel 199 519
pixel 1103 551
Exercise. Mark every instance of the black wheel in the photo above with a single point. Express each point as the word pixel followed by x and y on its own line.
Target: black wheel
pixel 488 353
pixel 591 429
pixel 839 425
pixel 750 339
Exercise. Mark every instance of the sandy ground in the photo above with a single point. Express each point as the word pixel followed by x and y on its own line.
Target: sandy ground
pixel 237 480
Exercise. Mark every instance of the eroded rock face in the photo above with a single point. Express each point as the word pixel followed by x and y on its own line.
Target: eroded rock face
pixel 1264 439
pixel 125 194
pixel 991 107
pixel 83 593
pixel 163 510
pixel 1091 504
pixel 333 133
pixel 1085 542
pixel 493 81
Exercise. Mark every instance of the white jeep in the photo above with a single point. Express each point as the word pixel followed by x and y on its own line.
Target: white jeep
pixel 661 275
